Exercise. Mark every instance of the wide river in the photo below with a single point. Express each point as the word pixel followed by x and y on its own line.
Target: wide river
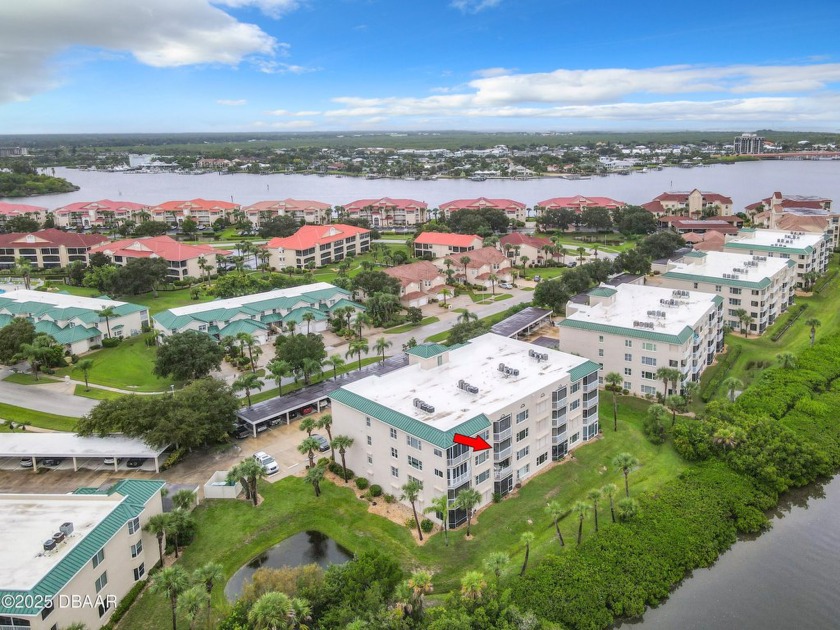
pixel 788 577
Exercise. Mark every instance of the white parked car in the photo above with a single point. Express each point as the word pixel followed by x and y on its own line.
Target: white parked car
pixel 505 285
pixel 268 463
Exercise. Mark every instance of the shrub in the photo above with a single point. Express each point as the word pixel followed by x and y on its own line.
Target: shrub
pixel 426 525
pixel 335 468
pixel 323 461
pixel 390 498
pixel 176 456
pixel 376 490
pixel 95 346
pixel 497 497
pixel 362 483
pixel 627 509
pixel 411 523
pixel 125 603
pixel 111 342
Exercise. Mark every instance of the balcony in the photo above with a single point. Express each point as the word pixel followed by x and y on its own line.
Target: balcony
pixel 463 457
pixel 558 439
pixel 501 437
pixel 592 402
pixel 502 473
pixel 559 404
pixel 460 480
pixel 591 387
pixel 500 455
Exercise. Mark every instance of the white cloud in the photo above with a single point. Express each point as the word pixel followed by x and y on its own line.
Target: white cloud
pixel 493 72
pixel 158 33
pixel 272 8
pixel 271 66
pixel 474 6
pixel 232 102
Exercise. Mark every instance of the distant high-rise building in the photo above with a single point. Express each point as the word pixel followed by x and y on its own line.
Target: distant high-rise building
pixel 6 152
pixel 748 143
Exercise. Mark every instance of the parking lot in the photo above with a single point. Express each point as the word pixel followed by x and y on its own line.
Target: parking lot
pixel 88 463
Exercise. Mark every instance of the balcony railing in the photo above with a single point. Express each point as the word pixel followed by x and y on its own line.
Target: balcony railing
pixel 503 454
pixel 559 404
pixel 558 439
pixel 593 386
pixel 501 437
pixel 463 457
pixel 502 473
pixel 460 480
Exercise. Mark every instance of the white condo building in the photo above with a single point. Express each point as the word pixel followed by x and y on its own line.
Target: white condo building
pixel 763 286
pixel 810 251
pixel 634 330
pixel 531 404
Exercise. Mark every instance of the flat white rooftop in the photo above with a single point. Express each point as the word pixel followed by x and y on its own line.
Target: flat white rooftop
pixel 477 363
pixel 777 239
pixel 69 445
pixel 715 264
pixel 238 302
pixel 633 302
pixel 27 520
pixel 60 300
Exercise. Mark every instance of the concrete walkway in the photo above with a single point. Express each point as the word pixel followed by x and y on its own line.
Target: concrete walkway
pixel 54 398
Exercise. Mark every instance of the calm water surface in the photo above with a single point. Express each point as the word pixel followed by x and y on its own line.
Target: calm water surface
pixel 745 183
pixel 309 547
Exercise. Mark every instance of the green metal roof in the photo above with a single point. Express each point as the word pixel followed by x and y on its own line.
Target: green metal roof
pixel 242 326
pixel 417 428
pixel 769 248
pixel 718 300
pixel 297 315
pixel 584 369
pixel 426 350
pixel 602 292
pixel 761 284
pixel 628 331
pixel 137 493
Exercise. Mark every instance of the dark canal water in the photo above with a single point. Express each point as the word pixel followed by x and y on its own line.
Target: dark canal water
pixel 309 547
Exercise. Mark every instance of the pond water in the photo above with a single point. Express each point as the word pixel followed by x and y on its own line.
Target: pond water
pixel 308 547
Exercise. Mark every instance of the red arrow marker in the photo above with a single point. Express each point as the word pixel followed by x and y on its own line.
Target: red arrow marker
pixel 475 443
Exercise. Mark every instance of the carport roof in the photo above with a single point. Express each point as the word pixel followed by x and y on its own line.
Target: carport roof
pixel 69 445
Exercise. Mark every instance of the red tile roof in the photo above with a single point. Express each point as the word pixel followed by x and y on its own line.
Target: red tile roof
pixel 682 223
pixel 414 272
pixel 682 197
pixel 517 238
pixel 482 202
pixel 807 223
pixel 286 204
pixel 16 209
pixel 51 236
pixel 654 206
pixel 161 246
pixel 578 202
pixel 103 204
pixel 479 258
pixel 444 238
pixel 197 204
pixel 312 235
pixel 384 202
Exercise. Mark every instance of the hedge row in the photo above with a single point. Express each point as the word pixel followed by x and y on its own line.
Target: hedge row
pixel 726 363
pixel 794 315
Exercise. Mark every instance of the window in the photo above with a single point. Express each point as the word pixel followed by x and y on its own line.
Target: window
pixel 696 286
pixel 600 352
pixel 628 343
pixel 395 453
pixel 574 438
pixel 649 361
pixel 718 288
pixel 574 404
pixel 734 301
pixel 522 416
pixel 367 421
pixel 600 338
pixel 575 387
pixel 482 457
pixel 649 346
pixel 542 459
pixel 395 472
pixel 104 606
pixel 438 473
pixel 438 452
pixel 650 376
pixel 414 442
pixel 99 557
pixel 415 463
pixel 139 571
pixel 523 452
pixel 393 433
pixel 370 459
pixel 410 478
pixel 136 549
pixel 134 525
pixel 628 372
pixel 627 385
pixel 479 479
pixel 522 435
pixel 648 389
pixel 101 581
pixel 734 291
pixel 369 441
pixel 628 357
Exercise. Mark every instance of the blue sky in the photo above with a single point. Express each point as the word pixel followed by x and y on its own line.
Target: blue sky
pixel 310 65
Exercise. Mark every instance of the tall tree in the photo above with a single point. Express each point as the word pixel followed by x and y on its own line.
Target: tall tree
pixel 187 356
pixel 813 323
pixel 411 493
pixel 309 446
pixel 440 505
pixel 467 500
pixel 495 563
pixel 23 268
pixel 594 496
pixel 171 582
pixel 192 602
pixel 108 312
pixel 581 509
pixel 336 361
pixel 156 525
pixel 325 422
pixel 609 491
pixel 13 336
pixel 614 382
pixel 247 382
pixel 279 370
pixel 315 475
pixel 357 347
pixel 556 511
pixel 272 611
pixel 465 261
pixel 626 463
pixel 381 346
pixel 342 443
pixel 526 539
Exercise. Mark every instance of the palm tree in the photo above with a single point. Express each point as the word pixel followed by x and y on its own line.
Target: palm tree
pixel 361 319
pixel 308 424
pixel 745 319
pixel 524 260
pixel 464 260
pixel 466 500
pixel 250 471
pixel 445 293
pixel 689 389
pixel 614 382
pixel 184 499
pixel 358 346
pixel 594 496
pixel 581 253
pixel 23 268
pixel 581 509
pixel 440 505
pixel 609 491
pixel 787 360
pixel 381 346
pixel 473 585
pixel 674 402
pixel 420 585
pixel 311 367
pixel 279 369
pixel 157 525
pixel 177 522
pixel 171 582
pixel 36 353
pixel 209 574
pixel 626 463
pixel 342 443
pixel 309 446
pixel 205 268
pixel 315 475
pixel 325 422
pixel 556 511
pixel 336 362
pixel 107 312
pixel 192 602
pixel 731 384
pixel 493 278
pixel 272 611
pixel 466 317
pixel 247 382
pixel 308 318
pixel 495 563
pixel 85 365
pixel 448 263
pixel 526 539
pixel 411 492
pixel 813 323
pixel 727 438
pixel 668 374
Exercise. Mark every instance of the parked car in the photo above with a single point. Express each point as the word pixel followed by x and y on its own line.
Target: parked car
pixel 109 461
pixel 323 443
pixel 306 411
pixel 26 462
pixel 268 463
pixel 241 432
pixel 537 278
pixel 572 264
pixel 135 462
pixel 505 285
pixel 293 415
pixel 50 461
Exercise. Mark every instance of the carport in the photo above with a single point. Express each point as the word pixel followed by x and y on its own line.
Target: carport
pixel 522 323
pixel 69 446
pixel 277 409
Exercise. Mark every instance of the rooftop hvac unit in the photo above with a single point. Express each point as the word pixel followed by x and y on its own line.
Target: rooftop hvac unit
pixel 67 528
pixel 58 537
pixel 509 371
pixel 49 544
pixel 423 406
pixel 501 367
pixel 463 385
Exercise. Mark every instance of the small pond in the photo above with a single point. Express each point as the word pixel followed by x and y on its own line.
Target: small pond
pixel 303 548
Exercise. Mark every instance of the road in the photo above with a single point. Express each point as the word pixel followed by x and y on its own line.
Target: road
pixel 54 398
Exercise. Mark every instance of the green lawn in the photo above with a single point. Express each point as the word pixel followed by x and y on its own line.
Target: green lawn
pixel 490 320
pixel 128 366
pixel 96 394
pixel 407 327
pixel 164 301
pixel 37 418
pixel 25 378
pixel 232 533
pixel 571 243
pixel 489 297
